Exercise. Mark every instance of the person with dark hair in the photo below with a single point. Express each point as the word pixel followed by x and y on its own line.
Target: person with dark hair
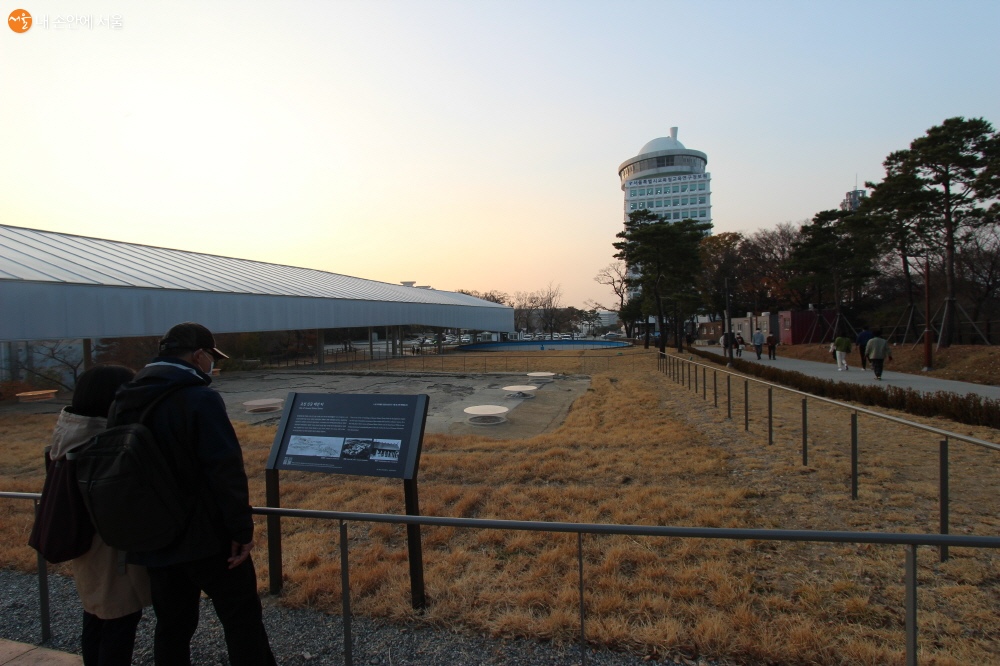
pixel 863 337
pixel 877 350
pixel 758 342
pixel 212 553
pixel 842 347
pixel 112 592
pixel 772 346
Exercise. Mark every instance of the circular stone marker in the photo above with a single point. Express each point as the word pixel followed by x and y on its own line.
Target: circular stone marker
pixel 488 420
pixel 541 374
pixel 520 388
pixel 264 406
pixel 486 410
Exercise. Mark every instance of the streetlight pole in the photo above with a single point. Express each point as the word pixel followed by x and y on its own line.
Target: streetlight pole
pixel 729 329
pixel 928 366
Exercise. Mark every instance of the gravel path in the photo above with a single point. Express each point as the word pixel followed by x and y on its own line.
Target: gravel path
pixel 297 636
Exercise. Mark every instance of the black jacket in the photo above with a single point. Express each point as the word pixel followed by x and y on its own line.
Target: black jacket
pixel 193 429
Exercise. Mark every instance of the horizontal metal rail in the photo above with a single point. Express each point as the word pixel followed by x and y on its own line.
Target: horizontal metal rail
pixel 889 538
pixel 860 410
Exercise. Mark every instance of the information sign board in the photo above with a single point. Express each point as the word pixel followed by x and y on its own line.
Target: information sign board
pixel 366 435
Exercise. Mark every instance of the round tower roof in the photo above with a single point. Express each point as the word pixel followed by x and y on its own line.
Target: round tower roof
pixel 663 143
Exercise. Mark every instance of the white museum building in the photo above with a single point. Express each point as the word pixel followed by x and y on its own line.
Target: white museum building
pixel 667 179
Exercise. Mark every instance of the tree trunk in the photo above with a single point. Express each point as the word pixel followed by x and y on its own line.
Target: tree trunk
pixel 950 316
pixel 660 321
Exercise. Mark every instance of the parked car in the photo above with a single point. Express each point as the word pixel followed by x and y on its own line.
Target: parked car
pixel 611 336
pixel 567 336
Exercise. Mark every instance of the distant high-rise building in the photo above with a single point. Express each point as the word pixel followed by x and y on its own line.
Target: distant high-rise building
pixel 669 180
pixel 852 200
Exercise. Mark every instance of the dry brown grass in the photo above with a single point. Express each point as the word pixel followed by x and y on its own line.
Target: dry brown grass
pixel 639 449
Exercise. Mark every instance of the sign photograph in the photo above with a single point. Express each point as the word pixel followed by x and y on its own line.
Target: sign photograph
pixel 367 435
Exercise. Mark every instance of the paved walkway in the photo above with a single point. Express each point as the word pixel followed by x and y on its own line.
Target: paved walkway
pixel 23 654
pixel 858 376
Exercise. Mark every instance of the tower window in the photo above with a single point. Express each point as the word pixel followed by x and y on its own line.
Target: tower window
pixel 677 188
pixel 701 185
pixel 701 200
pixel 659 203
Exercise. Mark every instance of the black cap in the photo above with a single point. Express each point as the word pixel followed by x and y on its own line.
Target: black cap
pixel 189 336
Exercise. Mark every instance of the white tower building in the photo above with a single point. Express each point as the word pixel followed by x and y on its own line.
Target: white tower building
pixel 669 180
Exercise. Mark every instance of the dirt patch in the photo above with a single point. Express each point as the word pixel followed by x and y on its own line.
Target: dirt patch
pixel 963 363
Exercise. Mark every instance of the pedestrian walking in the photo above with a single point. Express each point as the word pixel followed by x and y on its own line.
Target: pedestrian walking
pixel 842 345
pixel 740 343
pixel 862 342
pixel 112 592
pixel 758 342
pixel 212 552
pixel 772 345
pixel 877 351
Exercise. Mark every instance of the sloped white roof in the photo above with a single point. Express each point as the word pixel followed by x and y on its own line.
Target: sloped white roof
pixel 33 255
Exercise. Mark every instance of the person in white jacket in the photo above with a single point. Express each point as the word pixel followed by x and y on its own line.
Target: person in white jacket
pixel 112 592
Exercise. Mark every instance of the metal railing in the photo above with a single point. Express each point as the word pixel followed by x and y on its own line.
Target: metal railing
pixel 680 370
pixel 471 361
pixel 910 541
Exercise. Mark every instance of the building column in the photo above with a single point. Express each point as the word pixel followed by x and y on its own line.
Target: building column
pixel 9 361
pixel 320 348
pixel 29 361
pixel 371 345
pixel 440 340
pixel 88 358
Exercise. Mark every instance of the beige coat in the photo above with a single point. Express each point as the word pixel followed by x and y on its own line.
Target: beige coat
pixel 107 586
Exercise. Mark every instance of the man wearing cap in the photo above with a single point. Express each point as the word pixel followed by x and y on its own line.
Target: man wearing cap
pixel 212 554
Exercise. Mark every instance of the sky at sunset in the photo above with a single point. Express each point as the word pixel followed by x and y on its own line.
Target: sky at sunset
pixel 461 144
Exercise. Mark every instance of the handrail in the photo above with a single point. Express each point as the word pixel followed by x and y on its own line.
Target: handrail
pixel 861 410
pixel 890 538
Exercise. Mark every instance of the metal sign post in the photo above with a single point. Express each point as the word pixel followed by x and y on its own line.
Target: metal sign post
pixel 361 435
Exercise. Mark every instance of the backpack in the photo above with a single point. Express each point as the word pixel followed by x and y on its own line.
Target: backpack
pixel 133 493
pixel 62 530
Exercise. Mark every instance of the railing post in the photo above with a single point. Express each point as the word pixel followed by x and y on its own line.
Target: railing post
pixel 704 383
pixel 805 434
pixel 911 605
pixel 273 498
pixel 43 592
pixel 770 416
pixel 583 633
pixel 715 387
pixel 696 379
pixel 943 488
pixel 729 396
pixel 854 455
pixel 746 405
pixel 345 596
